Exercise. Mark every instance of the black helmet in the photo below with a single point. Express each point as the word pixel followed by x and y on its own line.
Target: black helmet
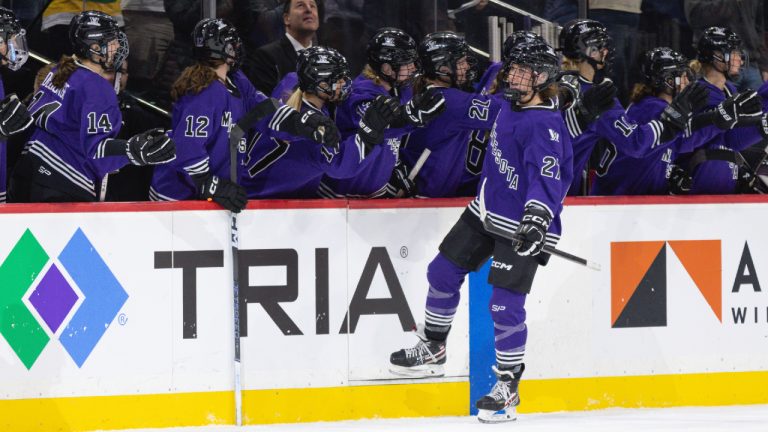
pixel 15 38
pixel 97 28
pixel 517 38
pixel 317 65
pixel 217 39
pixel 579 38
pixel 446 48
pixel 540 58
pixel 394 47
pixel 662 66
pixel 716 39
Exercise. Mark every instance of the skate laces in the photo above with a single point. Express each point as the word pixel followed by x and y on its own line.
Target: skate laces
pixel 502 390
pixel 421 350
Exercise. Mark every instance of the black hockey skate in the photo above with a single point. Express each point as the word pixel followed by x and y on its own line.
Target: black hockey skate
pixel 500 404
pixel 424 360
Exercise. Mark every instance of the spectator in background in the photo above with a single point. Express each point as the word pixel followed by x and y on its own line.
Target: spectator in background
pixel 746 18
pixel 149 32
pixel 622 19
pixel 184 15
pixel 260 21
pixel 266 66
pixel 416 17
pixel 344 29
pixel 58 15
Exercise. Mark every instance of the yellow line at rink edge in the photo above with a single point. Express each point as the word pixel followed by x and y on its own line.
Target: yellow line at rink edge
pixel 650 391
pixel 356 402
pixel 375 401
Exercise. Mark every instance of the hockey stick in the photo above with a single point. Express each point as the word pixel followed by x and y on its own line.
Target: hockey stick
pixel 416 168
pixel 493 229
pixel 236 134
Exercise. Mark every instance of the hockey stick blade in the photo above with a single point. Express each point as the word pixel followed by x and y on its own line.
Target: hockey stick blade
pixel 494 229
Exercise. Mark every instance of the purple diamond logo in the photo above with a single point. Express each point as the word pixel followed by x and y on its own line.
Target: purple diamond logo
pixel 53 298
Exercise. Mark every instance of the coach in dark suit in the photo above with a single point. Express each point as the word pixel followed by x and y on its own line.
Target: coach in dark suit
pixel 266 66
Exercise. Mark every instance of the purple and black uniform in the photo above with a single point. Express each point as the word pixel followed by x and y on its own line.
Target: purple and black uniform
pixel 622 174
pixel 717 176
pixel 201 124
pixel 3 156
pixel 372 180
pixel 445 173
pixel 632 138
pixel 72 128
pixel 528 162
pixel 276 168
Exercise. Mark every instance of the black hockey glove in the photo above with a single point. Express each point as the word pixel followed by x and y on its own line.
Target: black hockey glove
pixel 679 181
pixel 678 115
pixel 151 147
pixel 310 125
pixel 422 108
pixel 400 186
pixel 745 107
pixel 382 111
pixel 532 230
pixel 229 195
pixel 14 116
pixel 593 102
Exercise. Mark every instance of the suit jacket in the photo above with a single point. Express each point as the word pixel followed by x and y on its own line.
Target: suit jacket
pixel 267 65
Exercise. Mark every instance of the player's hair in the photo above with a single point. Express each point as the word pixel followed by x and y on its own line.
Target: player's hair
pixel 549 92
pixel 369 73
pixel 41 74
pixel 193 80
pixel 696 67
pixel 640 91
pixel 295 100
pixel 64 70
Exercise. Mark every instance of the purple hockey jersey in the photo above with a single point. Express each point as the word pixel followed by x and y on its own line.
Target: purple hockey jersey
pixel 448 139
pixel 622 174
pixel 201 124
pixel 277 168
pixel 371 181
pixel 485 83
pixel 286 87
pixel 613 125
pixel 528 161
pixel 72 125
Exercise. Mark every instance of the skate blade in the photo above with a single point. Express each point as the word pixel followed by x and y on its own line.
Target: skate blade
pixel 423 371
pixel 488 416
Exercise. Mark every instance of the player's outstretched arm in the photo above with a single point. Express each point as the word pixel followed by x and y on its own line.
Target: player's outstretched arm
pixel 152 147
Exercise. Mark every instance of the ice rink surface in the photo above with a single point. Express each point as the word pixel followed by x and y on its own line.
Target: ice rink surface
pixel 751 418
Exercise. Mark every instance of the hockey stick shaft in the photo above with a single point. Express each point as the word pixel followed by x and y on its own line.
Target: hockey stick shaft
pixel 236 135
pixel 494 229
pixel 416 168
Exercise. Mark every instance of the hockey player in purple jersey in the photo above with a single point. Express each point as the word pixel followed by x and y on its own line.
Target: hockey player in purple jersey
pixel 453 166
pixel 666 73
pixel 389 71
pixel 487 81
pixel 211 96
pixel 713 168
pixel 275 168
pixel 598 115
pixel 77 118
pixel 525 177
pixel 14 117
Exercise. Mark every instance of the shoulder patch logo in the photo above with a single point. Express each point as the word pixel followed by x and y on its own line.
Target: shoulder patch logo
pixel 554 136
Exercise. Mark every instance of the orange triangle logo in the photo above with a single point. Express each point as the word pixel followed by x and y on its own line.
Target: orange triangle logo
pixel 702 260
pixel 629 263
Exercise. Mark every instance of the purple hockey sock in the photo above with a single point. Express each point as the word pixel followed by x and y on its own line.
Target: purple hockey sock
pixel 508 314
pixel 445 279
